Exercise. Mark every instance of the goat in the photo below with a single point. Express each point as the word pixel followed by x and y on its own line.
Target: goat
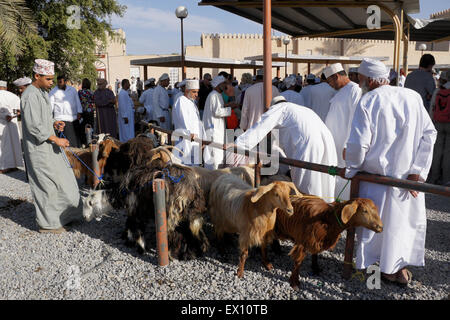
pixel 207 177
pixel 185 207
pixel 236 207
pixel 316 226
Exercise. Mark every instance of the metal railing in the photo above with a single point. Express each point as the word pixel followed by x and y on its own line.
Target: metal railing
pixel 354 188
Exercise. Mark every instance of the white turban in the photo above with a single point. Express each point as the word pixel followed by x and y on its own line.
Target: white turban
pixel 217 80
pixel 3 83
pixel 373 69
pixel 277 99
pixel 44 67
pixel 192 85
pixel 163 77
pixel 22 82
pixel 290 81
pixel 333 69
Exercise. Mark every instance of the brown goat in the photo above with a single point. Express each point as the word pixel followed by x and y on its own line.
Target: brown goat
pixel 316 226
pixel 104 150
pixel 79 169
pixel 237 207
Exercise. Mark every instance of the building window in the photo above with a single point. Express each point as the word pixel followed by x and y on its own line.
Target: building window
pixel 309 52
pixel 173 74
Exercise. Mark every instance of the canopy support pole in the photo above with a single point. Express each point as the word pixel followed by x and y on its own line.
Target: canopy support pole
pixel 267 53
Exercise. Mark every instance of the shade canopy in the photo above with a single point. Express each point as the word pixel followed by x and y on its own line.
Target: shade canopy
pixel 175 61
pixel 318 59
pixel 343 19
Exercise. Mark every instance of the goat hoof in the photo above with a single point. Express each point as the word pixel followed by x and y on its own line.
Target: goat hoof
pixel 240 274
pixel 295 284
pixel 295 288
pixel 269 266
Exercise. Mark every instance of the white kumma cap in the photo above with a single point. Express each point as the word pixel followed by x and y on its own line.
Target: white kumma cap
pixel 192 85
pixel 217 80
pixel 333 69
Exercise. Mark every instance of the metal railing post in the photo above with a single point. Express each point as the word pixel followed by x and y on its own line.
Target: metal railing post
pixel 350 242
pixel 159 200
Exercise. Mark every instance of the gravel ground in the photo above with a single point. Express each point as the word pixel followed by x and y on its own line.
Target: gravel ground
pixel 92 262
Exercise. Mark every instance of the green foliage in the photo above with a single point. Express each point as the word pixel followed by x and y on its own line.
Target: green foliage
pixel 72 49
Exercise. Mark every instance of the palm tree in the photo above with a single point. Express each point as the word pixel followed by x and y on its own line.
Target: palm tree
pixel 16 23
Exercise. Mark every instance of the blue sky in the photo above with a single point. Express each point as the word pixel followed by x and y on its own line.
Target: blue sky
pixel 151 26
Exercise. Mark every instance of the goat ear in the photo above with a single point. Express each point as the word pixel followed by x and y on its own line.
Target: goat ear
pixel 348 211
pixel 293 187
pixel 261 191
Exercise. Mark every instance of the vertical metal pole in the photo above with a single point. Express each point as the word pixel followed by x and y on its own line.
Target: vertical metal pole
pixel 309 68
pixel 350 242
pixel 405 51
pixel 278 72
pixel 95 166
pixel 159 199
pixel 145 73
pixel 257 172
pixel 200 73
pixel 183 69
pixel 267 53
pixel 285 62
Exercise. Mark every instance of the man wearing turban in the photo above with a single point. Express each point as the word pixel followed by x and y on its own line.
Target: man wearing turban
pixel 392 135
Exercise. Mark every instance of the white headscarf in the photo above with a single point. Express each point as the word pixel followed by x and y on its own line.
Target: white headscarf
pixel 217 80
pixel 22 81
pixel 373 69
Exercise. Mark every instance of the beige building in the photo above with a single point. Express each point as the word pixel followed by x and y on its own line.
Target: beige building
pixel 114 63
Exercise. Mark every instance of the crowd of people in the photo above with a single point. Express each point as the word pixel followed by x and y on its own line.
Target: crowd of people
pixel 358 120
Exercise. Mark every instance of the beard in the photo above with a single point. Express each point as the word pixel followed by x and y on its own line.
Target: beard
pixel 364 88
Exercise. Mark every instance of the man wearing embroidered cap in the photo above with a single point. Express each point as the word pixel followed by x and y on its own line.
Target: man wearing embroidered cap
pixel 52 182
pixel 391 135
pixel 10 150
pixel 340 116
pixel 290 94
pixel 186 121
pixel 161 102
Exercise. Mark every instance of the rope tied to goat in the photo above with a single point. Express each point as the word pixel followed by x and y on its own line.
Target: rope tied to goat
pixel 165 172
pixel 100 178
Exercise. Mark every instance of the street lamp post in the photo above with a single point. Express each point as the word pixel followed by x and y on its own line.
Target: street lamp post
pixel 181 12
pixel 286 42
pixel 422 47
